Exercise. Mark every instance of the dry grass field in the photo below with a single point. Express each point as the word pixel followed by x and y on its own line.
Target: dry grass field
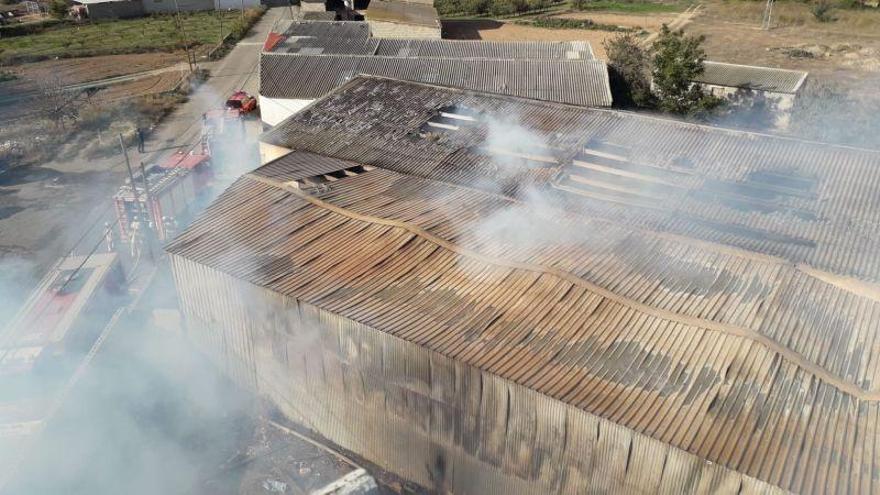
pixel 80 70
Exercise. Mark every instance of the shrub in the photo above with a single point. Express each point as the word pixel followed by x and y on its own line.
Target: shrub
pixel 678 61
pixel 58 9
pixel 558 23
pixel 628 65
pixel 27 28
pixel 822 11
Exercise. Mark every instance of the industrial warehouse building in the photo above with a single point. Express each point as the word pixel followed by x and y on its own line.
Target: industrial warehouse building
pixel 734 82
pixel 489 294
pixel 332 53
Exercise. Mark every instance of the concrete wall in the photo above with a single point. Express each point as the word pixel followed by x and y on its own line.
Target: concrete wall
pixel 235 4
pixel 270 152
pixel 312 7
pixel 115 10
pixel 275 110
pixel 166 6
pixel 430 419
pixel 381 29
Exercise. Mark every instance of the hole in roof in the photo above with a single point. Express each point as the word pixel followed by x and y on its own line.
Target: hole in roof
pixel 322 182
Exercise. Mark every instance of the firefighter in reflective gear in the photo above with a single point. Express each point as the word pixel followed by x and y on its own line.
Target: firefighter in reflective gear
pixel 169 225
pixel 136 238
pixel 109 237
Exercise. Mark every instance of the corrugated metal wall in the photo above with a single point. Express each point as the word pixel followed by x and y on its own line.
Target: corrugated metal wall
pixel 429 419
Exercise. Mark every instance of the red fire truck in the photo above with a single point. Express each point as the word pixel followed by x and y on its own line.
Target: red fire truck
pixel 165 196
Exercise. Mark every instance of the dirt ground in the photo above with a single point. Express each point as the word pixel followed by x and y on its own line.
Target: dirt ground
pixel 79 70
pixel 845 51
pixel 491 30
pixel 505 31
pixel 159 83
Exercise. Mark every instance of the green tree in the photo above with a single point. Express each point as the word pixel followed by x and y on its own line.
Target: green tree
pixel 58 9
pixel 678 61
pixel 629 69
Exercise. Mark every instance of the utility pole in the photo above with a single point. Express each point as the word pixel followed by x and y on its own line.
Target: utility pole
pixel 189 59
pixel 242 14
pixel 220 18
pixel 768 14
pixel 137 199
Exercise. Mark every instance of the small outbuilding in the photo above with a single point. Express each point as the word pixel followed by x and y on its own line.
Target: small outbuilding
pixel 777 88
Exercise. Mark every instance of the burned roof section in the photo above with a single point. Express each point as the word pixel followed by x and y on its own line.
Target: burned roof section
pixel 779 197
pixel 578 82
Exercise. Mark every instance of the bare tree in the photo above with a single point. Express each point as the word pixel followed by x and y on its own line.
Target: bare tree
pixel 56 102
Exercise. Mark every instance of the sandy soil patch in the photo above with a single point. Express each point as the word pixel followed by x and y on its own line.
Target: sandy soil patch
pixel 846 52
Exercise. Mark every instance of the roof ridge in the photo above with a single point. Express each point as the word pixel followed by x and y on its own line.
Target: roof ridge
pixel 796 358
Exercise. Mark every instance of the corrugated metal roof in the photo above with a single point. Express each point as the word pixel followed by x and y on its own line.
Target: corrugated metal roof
pixel 318 16
pixel 780 197
pixel 631 326
pixel 418 14
pixel 578 82
pixel 351 38
pixel 712 289
pixel 485 49
pixel 326 46
pixel 324 29
pixel 751 77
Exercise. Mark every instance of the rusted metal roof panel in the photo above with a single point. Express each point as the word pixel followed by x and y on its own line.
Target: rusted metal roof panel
pixel 403 255
pixel 578 82
pixel 752 77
